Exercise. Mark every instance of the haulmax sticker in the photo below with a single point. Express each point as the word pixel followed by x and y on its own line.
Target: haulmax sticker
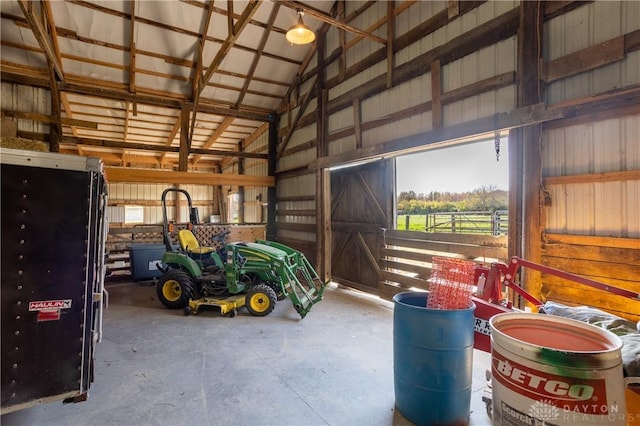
pixel 49 310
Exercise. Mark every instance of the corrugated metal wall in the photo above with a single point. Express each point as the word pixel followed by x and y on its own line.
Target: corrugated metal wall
pixel 255 199
pixel 297 186
pixel 492 61
pixel 608 209
pixel 594 208
pixel 149 196
pixel 23 98
pixel 590 25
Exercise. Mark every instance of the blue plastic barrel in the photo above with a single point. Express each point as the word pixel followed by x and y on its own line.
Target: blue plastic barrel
pixel 432 360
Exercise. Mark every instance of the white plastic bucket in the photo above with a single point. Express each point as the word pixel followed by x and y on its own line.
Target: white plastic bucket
pixel 555 371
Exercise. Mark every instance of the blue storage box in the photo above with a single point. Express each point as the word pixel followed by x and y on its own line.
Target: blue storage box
pixel 144 260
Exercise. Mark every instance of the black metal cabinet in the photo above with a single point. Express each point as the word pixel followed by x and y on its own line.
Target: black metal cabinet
pixel 53 233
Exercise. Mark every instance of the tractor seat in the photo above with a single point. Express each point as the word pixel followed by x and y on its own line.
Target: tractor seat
pixel 190 244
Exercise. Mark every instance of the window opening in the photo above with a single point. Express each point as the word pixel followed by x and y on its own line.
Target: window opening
pixel 461 188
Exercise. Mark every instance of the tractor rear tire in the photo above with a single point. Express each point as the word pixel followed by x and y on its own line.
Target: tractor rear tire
pixel 260 300
pixel 175 289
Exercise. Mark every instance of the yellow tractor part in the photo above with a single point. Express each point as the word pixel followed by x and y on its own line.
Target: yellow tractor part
pixel 228 305
pixel 171 290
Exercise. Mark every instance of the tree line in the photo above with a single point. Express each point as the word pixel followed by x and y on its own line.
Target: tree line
pixel 483 198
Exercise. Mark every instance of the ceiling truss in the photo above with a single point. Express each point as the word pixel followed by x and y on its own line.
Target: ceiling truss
pixel 122 98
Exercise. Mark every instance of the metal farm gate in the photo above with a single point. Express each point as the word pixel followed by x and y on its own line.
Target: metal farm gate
pixel 362 202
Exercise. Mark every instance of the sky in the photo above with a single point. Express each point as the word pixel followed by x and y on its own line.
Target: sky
pixel 454 169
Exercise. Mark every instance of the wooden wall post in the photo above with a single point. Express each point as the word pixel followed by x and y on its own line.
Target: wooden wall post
pixel 274 123
pixel 525 232
pixel 183 160
pixel 436 95
pixel 323 181
pixel 240 188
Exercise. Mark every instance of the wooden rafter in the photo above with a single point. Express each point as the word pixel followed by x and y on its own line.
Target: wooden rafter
pixel 301 109
pixel 172 135
pixel 216 134
pixel 125 131
pixel 179 30
pixel 230 29
pixel 124 126
pixel 72 35
pixel 132 47
pixel 43 118
pixel 197 79
pixel 342 41
pixel 321 16
pixel 146 147
pixel 68 113
pixel 248 12
pixel 256 57
pixel 119 174
pixel 65 33
pixel 391 35
pixel 225 12
pixel 39 25
pixel 39 31
pixel 62 96
pixel 255 135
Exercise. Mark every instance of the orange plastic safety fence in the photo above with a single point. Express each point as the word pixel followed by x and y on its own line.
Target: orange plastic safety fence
pixel 451 283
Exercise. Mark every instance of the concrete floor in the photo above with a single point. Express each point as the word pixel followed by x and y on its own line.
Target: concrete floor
pixel 155 366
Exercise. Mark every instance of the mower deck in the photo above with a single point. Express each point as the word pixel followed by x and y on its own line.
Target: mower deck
pixel 228 305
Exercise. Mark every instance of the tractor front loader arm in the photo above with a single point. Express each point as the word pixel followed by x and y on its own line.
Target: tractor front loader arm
pixel 299 280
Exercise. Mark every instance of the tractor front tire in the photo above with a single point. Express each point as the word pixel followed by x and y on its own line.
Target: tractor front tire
pixel 175 289
pixel 260 300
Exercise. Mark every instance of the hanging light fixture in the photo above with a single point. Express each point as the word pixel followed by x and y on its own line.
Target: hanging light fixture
pixel 300 33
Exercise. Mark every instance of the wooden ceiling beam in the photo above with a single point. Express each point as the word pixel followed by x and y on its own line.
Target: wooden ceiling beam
pixel 56 47
pixel 43 118
pixel 613 103
pixel 248 12
pixel 70 140
pixel 212 139
pixel 391 36
pixel 72 35
pixel 255 135
pixel 256 57
pixel 159 101
pixel 236 16
pixel 301 109
pixel 172 135
pixel 40 33
pixel 230 29
pixel 121 174
pixel 132 48
pixel 69 114
pixel 125 131
pixel 197 80
pixel 171 28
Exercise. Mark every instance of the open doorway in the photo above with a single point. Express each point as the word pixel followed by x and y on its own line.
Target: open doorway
pixel 458 189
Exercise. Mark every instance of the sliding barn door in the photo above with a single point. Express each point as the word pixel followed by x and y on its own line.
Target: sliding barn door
pixel 362 203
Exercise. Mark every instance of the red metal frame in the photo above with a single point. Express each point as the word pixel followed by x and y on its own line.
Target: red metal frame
pixel 490 299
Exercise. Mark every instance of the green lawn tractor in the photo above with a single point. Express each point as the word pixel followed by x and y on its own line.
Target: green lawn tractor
pixel 251 274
